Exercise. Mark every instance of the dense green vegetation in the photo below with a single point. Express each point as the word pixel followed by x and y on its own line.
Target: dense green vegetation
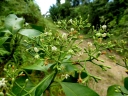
pixel 112 13
pixel 36 57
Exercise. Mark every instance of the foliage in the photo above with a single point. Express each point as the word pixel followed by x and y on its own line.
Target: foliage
pixel 78 23
pixel 36 60
pixel 60 11
pixel 51 53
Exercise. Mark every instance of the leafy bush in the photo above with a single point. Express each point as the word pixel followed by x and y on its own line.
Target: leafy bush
pixel 36 61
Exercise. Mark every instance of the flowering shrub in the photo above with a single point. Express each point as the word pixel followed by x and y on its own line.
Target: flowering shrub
pixel 77 23
pixel 36 63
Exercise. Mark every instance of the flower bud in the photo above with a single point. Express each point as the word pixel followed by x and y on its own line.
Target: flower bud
pixel 59 22
pixel 104 27
pixel 72 29
pixel 54 48
pixel 70 51
pixel 104 35
pixel 89 44
pixel 26 24
pixel 70 20
pixel 64 35
pixel 37 56
pixel 36 49
pixel 26 80
pixel 13 79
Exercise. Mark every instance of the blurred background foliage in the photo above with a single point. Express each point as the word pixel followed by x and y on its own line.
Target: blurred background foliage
pixel 27 9
pixel 113 13
pixel 100 11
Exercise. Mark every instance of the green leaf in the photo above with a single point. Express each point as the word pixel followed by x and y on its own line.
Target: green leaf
pixel 3 39
pixel 42 86
pixel 75 89
pixel 13 23
pixel 30 33
pixel 114 90
pixel 40 28
pixel 68 67
pixel 39 65
pixel 5 31
pixel 3 52
pixel 126 83
pixel 66 58
pixel 88 25
pixel 19 83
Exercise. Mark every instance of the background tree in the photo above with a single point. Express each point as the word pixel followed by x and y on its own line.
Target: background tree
pixel 58 2
pixel 22 8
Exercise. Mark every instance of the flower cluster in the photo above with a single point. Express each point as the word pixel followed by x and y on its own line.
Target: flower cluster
pixel 3 83
pixel 104 27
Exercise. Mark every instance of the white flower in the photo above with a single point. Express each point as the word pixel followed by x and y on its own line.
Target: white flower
pixel 104 35
pixel 54 48
pixel 104 27
pixel 26 24
pixel 47 33
pixel 70 51
pixel 25 41
pixel 66 76
pixel 36 49
pixel 64 35
pixel 3 83
pixel 59 22
pixel 27 50
pixel 70 20
pixel 37 56
pixel 72 29
pixel 89 44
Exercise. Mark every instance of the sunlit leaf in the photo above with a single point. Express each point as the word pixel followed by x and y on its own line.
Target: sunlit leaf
pixel 39 65
pixel 30 33
pixel 42 86
pixel 66 58
pixel 3 39
pixel 5 31
pixel 114 90
pixel 13 23
pixel 75 89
